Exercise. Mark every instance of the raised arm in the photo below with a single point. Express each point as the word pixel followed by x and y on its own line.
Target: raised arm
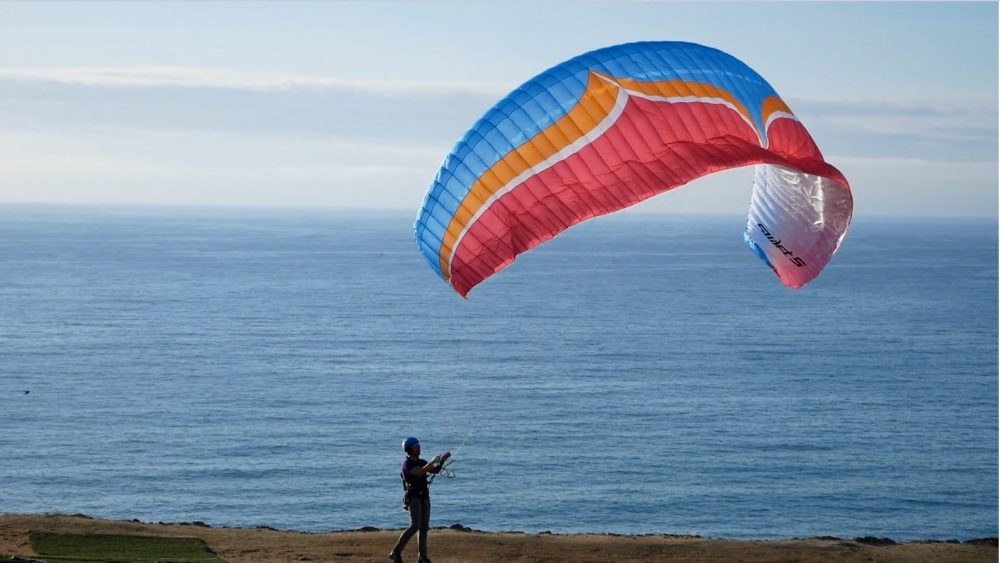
pixel 433 466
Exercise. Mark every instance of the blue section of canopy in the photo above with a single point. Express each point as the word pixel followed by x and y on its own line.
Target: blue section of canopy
pixel 549 96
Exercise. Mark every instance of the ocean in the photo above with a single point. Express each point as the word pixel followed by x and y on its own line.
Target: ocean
pixel 639 374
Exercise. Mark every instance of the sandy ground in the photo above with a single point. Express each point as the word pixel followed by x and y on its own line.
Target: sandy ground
pixel 456 545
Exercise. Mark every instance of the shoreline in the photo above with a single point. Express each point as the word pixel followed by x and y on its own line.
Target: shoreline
pixel 457 543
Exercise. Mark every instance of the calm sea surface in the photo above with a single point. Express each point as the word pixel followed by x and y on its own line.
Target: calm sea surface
pixel 636 375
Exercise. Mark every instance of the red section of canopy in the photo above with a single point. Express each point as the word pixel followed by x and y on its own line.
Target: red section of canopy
pixel 651 148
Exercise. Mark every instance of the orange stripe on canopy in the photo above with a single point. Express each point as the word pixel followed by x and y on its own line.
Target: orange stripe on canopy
pixel 596 102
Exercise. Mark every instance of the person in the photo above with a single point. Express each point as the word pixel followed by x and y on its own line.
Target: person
pixel 417 499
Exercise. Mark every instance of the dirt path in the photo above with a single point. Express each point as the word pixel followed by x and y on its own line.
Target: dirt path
pixel 451 546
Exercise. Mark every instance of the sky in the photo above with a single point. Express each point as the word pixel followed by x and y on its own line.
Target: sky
pixel 354 104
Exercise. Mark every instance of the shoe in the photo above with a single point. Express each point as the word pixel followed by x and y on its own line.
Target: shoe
pixel 423 560
pixel 395 557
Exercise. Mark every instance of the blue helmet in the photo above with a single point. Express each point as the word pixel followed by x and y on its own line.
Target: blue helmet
pixel 409 443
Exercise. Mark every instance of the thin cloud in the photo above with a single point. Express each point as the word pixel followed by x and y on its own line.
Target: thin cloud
pixel 932 119
pixel 915 165
pixel 185 77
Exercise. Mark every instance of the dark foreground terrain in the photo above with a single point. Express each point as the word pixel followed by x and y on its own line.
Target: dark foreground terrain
pixel 55 537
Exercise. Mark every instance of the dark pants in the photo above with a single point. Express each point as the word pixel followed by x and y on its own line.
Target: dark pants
pixel 420 521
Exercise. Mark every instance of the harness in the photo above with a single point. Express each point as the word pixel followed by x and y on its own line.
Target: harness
pixel 448 474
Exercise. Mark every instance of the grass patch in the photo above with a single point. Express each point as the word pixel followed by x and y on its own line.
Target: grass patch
pixel 107 548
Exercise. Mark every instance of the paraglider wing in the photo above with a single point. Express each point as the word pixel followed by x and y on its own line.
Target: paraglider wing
pixel 613 127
